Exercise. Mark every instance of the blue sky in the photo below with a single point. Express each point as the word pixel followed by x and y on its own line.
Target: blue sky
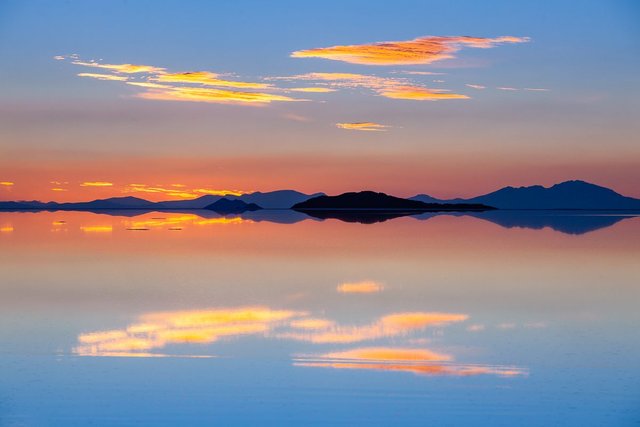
pixel 585 54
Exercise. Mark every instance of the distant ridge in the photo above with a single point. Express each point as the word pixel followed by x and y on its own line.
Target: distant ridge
pixel 565 195
pixel 370 200
pixel 232 206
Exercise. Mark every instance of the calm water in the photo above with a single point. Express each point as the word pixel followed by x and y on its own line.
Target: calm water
pixel 176 319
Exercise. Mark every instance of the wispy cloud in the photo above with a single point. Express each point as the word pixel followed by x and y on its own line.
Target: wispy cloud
pixel 218 96
pixel 104 76
pixel 96 184
pixel 364 126
pixel 180 190
pixel 164 86
pixel 388 87
pixel 121 68
pixel 208 79
pixel 316 89
pixel 474 86
pixel 7 183
pixel 422 50
pixel 418 93
pixel 364 287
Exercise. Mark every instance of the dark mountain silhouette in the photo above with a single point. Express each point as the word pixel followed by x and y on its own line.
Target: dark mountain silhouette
pixel 232 206
pixel 281 199
pixel 370 200
pixel 128 202
pixel 566 195
pixel 198 203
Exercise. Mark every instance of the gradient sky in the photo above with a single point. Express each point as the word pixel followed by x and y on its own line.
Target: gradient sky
pixel 542 92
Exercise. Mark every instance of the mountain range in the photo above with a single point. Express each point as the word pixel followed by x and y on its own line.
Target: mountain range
pixel 566 195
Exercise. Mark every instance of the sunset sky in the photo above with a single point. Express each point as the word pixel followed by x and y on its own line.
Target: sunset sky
pixel 169 100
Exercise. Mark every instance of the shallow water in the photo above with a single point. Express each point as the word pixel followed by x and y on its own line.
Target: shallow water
pixel 273 318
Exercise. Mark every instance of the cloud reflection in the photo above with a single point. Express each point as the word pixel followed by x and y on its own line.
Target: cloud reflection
pixel 157 330
pixel 416 361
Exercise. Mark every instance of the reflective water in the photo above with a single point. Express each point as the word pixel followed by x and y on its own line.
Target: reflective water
pixel 275 318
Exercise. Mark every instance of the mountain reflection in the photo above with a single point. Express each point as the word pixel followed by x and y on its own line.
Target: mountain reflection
pixel 567 222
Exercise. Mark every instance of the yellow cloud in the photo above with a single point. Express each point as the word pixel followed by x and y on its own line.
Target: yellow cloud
pixel 219 96
pixel 423 50
pixel 59 189
pixel 149 85
pixel 121 68
pixel 366 126
pixel 208 79
pixel 312 89
pixel 7 183
pixel 220 192
pixel 418 93
pixel 104 76
pixel 364 287
pixel 394 88
pixel 96 184
pixel 97 228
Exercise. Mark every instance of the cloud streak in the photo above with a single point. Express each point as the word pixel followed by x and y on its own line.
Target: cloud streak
pixel 422 50
pixel 364 126
pixel 388 87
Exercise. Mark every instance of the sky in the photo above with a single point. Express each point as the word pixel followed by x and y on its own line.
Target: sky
pixel 170 100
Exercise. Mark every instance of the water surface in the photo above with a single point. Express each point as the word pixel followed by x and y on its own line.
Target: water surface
pixel 280 319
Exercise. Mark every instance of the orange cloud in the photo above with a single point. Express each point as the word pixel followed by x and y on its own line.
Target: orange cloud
pixel 366 126
pixel 104 76
pixel 418 93
pixel 96 184
pixel 7 183
pixel 121 68
pixel 365 287
pixel 208 79
pixel 394 88
pixel 219 96
pixel 423 50
pixel 59 189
